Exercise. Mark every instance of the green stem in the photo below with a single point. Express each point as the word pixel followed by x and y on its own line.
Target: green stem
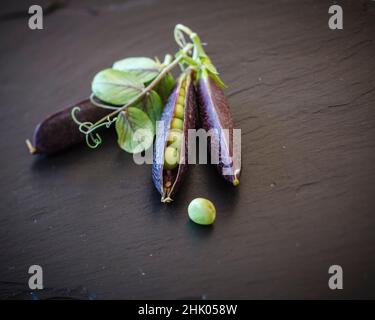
pixel 164 71
pixel 200 60
pixel 198 48
pixel 167 59
pixel 100 105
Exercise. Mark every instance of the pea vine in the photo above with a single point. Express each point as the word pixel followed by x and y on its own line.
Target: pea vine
pixel 136 88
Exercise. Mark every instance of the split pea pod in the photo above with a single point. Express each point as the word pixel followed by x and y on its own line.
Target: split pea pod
pixel 215 114
pixel 58 131
pixel 171 149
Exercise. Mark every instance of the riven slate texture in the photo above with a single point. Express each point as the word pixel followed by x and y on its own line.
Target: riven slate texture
pixel 303 96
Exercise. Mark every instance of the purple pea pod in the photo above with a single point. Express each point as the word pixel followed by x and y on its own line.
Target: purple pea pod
pixel 58 131
pixel 171 146
pixel 215 114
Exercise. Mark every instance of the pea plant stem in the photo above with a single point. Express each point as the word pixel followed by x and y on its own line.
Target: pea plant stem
pixel 198 48
pixel 146 90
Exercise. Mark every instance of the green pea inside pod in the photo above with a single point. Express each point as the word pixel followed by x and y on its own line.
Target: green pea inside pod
pixel 181 98
pixel 182 91
pixel 175 138
pixel 177 124
pixel 170 158
pixel 179 111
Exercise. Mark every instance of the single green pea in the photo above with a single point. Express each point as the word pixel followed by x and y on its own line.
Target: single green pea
pixel 181 99
pixel 179 111
pixel 171 158
pixel 182 91
pixel 177 124
pixel 202 211
pixel 175 137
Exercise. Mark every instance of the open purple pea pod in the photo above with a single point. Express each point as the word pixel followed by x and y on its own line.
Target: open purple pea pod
pixel 58 131
pixel 168 180
pixel 215 114
pixel 214 110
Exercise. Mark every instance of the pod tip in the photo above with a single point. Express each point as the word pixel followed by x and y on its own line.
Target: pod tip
pixel 236 182
pixel 166 200
pixel 31 148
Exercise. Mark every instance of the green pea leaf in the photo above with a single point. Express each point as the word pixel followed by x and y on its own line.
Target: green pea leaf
pixel 145 69
pixel 135 131
pixel 206 62
pixel 217 79
pixel 165 86
pixel 153 107
pixel 209 66
pixel 116 87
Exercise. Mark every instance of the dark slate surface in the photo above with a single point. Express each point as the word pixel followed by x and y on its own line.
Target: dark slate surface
pixel 303 96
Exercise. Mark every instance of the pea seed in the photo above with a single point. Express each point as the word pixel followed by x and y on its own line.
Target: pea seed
pixel 182 91
pixel 202 211
pixel 181 99
pixel 175 138
pixel 171 158
pixel 179 111
pixel 177 124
